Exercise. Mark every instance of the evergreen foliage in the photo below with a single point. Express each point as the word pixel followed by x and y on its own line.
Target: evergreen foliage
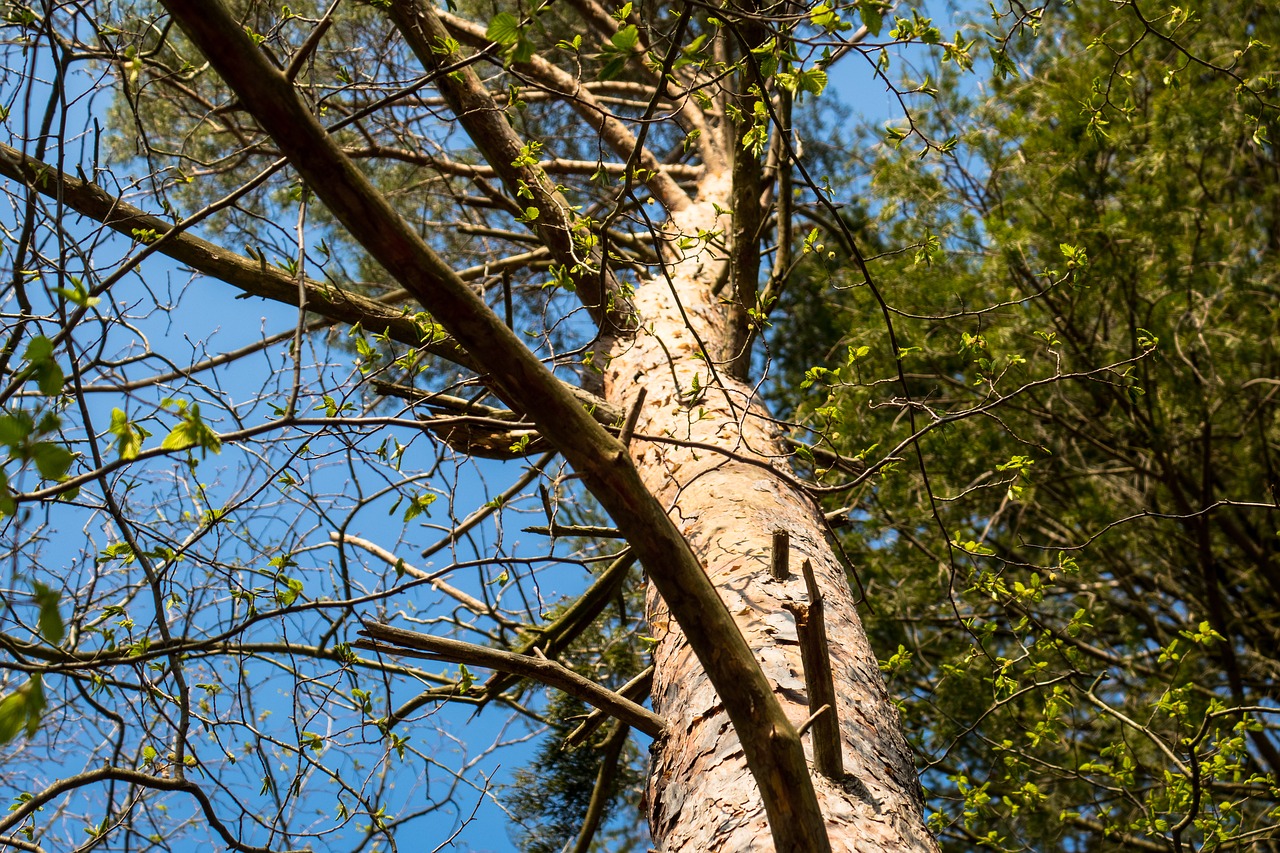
pixel 1071 554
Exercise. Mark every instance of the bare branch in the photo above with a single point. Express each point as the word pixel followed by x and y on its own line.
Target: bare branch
pixel 390 640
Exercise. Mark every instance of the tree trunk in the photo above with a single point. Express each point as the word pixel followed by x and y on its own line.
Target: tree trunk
pixel 701 796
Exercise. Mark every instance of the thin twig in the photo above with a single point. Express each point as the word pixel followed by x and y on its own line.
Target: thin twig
pixel 804 727
pixel 470 602
pixel 592 530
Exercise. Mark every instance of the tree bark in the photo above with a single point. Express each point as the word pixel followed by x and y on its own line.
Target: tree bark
pixel 700 795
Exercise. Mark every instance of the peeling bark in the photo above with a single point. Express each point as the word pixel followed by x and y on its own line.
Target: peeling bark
pixel 701 797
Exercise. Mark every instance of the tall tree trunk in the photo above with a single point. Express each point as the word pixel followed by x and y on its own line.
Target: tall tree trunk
pixel 701 796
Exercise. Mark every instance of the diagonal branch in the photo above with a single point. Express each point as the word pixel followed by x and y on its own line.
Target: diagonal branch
pixel 398 641
pixel 26 808
pixel 660 178
pixel 637 688
pixel 689 112
pixel 549 640
pixel 467 600
pixel 774 752
pixel 550 215
pixel 253 277
pixel 602 791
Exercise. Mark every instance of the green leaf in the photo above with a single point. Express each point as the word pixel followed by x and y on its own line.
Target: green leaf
pixel 52 460
pixel 465 678
pixel 192 432
pixel 292 589
pixel 15 428
pixel 38 348
pixel 129 436
pixel 8 504
pixel 872 12
pixel 612 68
pixel 42 367
pixel 78 295
pixel 49 621
pixel 523 51
pixel 626 39
pixel 822 16
pixel 418 505
pixel 180 438
pixel 504 28
pixel 21 710
pixel 814 80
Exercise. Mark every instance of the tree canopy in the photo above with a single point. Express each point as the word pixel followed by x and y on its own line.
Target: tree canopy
pixel 1071 556
pixel 593 380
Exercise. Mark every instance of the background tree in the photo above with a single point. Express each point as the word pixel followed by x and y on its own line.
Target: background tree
pixel 1086 322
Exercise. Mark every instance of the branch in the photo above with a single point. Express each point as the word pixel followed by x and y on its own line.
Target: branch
pixel 485 122
pixel 557 530
pixel 250 276
pixel 558 166
pixel 636 689
pixel 780 556
pixel 782 259
pixel 24 809
pixel 552 639
pixel 605 413
pixel 660 178
pixel 384 638
pixel 667 84
pixel 486 431
pixel 532 473
pixel 816 658
pixel 601 791
pixel 468 601
pixel 309 45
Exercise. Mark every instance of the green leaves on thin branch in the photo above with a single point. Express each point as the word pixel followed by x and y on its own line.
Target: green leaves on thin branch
pixel 21 710
pixel 505 29
pixel 618 51
pixel 41 366
pixel 191 431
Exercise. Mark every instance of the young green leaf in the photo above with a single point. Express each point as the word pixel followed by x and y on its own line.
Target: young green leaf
pixel 49 620
pixel 504 28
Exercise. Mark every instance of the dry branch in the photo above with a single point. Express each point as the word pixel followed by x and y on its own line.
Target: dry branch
pixel 390 640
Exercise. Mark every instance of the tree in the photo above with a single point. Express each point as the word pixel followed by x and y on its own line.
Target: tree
pixel 436 186
pixel 1086 336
